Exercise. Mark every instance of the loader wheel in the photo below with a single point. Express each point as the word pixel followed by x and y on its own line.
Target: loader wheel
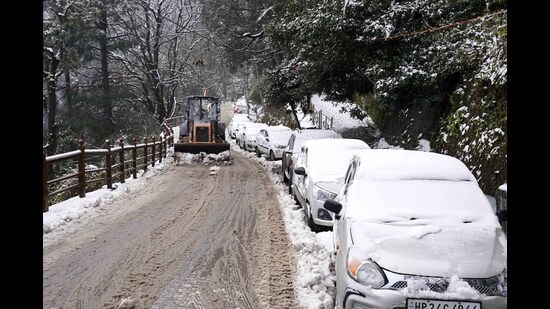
pixel 258 154
pixel 271 155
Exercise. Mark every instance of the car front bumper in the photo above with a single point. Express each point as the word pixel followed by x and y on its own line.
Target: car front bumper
pixel 360 297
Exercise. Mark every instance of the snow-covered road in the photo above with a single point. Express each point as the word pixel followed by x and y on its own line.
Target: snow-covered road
pixel 191 238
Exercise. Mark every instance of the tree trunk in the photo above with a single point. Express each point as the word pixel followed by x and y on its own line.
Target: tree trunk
pixel 52 107
pixel 68 99
pixel 107 102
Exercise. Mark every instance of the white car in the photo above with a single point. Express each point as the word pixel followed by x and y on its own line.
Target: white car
pixel 247 133
pixel 319 174
pixel 294 146
pixel 237 118
pixel 414 230
pixel 250 134
pixel 272 141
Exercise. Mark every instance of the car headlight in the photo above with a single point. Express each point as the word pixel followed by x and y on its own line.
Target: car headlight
pixel 365 271
pixel 322 194
pixel 502 286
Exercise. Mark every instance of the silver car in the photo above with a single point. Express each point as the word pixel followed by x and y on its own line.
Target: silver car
pixel 319 174
pixel 414 230
pixel 272 141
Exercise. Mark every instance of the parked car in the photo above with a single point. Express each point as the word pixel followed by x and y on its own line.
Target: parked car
pixel 272 141
pixel 295 145
pixel 237 118
pixel 248 130
pixel 414 230
pixel 502 205
pixel 319 174
pixel 239 128
pixel 251 135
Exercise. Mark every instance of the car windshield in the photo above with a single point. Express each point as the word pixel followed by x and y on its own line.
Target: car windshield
pixel 329 164
pixel 280 137
pixel 423 201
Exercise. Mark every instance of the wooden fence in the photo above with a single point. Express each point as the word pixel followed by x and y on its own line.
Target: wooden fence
pixel 119 161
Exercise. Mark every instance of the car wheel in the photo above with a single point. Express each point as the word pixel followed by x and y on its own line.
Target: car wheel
pixel 258 154
pixel 285 179
pixel 271 155
pixel 244 147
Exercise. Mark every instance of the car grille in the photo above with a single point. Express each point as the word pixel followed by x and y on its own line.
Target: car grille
pixel 488 289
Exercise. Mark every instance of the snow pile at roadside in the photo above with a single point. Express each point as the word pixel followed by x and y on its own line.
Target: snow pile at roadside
pixel 424 145
pixel 183 158
pixel 62 214
pixel 314 283
pixel 382 144
pixel 341 120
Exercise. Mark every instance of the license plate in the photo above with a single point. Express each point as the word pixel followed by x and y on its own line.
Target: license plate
pixel 417 303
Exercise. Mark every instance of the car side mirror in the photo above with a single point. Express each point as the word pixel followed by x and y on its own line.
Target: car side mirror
pixel 334 206
pixel 300 171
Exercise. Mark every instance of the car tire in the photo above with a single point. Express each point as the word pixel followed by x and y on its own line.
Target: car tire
pixel 244 147
pixel 258 154
pixel 271 155
pixel 285 179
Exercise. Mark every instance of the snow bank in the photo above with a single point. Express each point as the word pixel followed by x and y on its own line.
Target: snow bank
pixel 60 215
pixel 314 283
pixel 341 120
pixel 183 158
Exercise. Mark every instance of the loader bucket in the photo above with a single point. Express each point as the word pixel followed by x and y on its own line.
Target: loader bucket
pixel 200 147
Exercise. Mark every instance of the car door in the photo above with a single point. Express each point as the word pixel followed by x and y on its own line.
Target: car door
pixel 299 179
pixel 339 225
pixel 260 139
pixel 265 145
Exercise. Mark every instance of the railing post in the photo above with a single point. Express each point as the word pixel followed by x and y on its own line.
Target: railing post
pixel 331 119
pixel 320 119
pixel 44 183
pixel 160 149
pixel 108 165
pixel 81 171
pixel 153 153
pixel 165 147
pixel 121 161
pixel 145 154
pixel 134 160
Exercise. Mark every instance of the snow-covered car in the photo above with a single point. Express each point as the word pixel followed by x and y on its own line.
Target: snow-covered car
pixel 319 173
pixel 414 230
pixel 247 134
pixel 232 126
pixel 272 141
pixel 295 145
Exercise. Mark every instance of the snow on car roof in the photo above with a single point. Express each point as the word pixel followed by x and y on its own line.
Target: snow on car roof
pixel 328 159
pixel 394 164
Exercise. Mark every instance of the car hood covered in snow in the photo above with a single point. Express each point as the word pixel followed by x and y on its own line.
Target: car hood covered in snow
pixel 427 227
pixel 429 250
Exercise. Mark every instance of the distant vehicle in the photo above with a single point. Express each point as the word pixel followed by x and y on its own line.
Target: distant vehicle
pixel 201 130
pixel 502 205
pixel 272 141
pixel 237 118
pixel 414 230
pixel 319 174
pixel 248 130
pixel 295 145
